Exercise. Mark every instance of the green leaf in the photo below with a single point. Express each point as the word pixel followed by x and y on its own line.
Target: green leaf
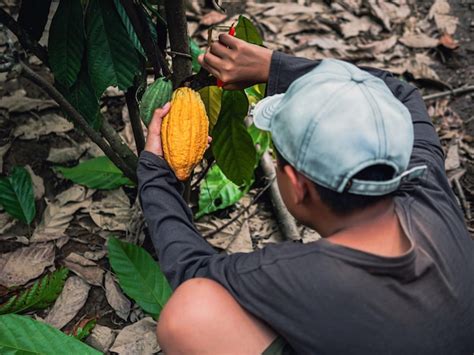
pixel 83 332
pixel 139 276
pixel 217 192
pixel 97 173
pixel 261 139
pixel 66 42
pixel 212 97
pixel 112 58
pixel 246 31
pixel 23 335
pixel 232 145
pixel 255 93
pixel 40 295
pixel 195 53
pixel 16 195
pixel 129 27
pixel 82 96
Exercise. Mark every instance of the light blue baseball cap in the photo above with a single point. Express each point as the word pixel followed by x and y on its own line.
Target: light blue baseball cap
pixel 337 120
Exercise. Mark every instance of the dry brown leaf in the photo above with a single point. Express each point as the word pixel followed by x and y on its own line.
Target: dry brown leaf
pixel 116 298
pixel 445 23
pixel 353 6
pixel 101 338
pixel 59 213
pixel 272 24
pixel 356 25
pixel 381 46
pixel 33 128
pixel 18 103
pixel 212 17
pixel 85 268
pixel 112 213
pixel 6 222
pixel 233 238
pixel 67 154
pixel 309 235
pixel 38 183
pixel 419 40
pixel 452 161
pixel 420 67
pixel 95 255
pixel 281 9
pixel 389 12
pixel 3 150
pixel 377 10
pixel 24 264
pixel 242 242
pixel 137 338
pixel 70 301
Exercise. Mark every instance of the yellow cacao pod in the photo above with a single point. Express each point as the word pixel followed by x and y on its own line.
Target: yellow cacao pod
pixel 184 132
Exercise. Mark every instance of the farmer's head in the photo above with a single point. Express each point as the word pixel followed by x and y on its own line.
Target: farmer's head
pixel 343 141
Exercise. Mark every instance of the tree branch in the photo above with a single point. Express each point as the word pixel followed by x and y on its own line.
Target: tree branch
pixel 285 220
pixel 178 35
pixel 23 37
pixel 134 114
pixel 76 117
pixel 118 145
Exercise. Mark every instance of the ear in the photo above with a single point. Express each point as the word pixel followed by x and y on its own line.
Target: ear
pixel 298 183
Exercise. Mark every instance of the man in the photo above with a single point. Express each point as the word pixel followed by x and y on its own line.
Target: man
pixel 360 162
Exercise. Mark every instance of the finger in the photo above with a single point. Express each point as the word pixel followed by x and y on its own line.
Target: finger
pixel 201 59
pixel 212 64
pixel 209 139
pixel 219 50
pixel 155 124
pixel 228 40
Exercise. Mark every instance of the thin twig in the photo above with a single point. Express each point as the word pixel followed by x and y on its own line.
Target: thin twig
pixel 203 174
pixel 23 37
pixel 455 92
pixel 233 219
pixel 76 117
pixel 134 114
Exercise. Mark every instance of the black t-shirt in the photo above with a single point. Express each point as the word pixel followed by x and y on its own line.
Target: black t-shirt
pixel 325 298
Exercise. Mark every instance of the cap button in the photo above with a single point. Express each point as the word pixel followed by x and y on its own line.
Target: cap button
pixel 358 77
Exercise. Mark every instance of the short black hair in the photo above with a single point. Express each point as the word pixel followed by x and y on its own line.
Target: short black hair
pixel 343 203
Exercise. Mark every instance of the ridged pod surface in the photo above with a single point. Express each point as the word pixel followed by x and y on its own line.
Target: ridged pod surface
pixel 184 132
pixel 155 96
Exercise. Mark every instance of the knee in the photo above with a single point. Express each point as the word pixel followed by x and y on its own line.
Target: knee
pixel 194 304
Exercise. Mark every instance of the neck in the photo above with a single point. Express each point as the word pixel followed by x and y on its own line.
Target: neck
pixel 375 230
pixel 330 224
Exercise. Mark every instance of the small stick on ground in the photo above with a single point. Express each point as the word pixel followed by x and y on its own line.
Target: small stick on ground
pixel 455 92
pixel 286 222
pixel 462 198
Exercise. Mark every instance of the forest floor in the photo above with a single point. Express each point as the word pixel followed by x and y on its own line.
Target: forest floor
pixel 405 39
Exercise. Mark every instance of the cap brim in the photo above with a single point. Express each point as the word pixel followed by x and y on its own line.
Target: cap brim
pixel 264 111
